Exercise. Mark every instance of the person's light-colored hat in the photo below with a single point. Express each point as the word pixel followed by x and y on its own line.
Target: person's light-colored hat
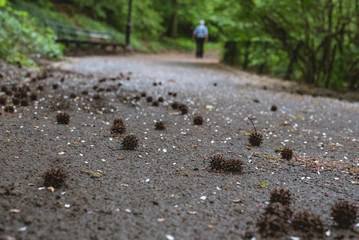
pixel 202 22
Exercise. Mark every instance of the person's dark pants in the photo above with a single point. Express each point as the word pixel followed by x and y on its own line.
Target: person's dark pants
pixel 199 52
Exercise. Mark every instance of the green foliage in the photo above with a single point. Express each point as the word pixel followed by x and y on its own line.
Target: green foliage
pixel 21 39
pixel 316 40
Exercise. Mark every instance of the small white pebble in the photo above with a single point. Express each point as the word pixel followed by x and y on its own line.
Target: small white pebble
pixel 169 237
pixel 67 205
pixel 22 229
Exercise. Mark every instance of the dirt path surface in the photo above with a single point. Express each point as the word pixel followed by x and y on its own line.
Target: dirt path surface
pixel 165 189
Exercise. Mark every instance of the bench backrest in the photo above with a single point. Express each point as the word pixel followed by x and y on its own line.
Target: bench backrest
pixel 65 32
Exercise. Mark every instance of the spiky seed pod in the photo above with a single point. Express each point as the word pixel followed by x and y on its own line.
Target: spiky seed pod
pixel 215 84
pixel 54 177
pixel 280 195
pixel 274 108
pixel 118 127
pixel 9 109
pixel 198 120
pixel 160 126
pixel 55 86
pixel 308 223
pixel 137 98
pixel 183 108
pixel 255 139
pixel 24 102
pixel 155 104
pixel 130 142
pixel 149 99
pixel 33 97
pixel 344 214
pixel 287 153
pixel 73 95
pixel 276 208
pixel 3 100
pixel 217 162
pixel 117 121
pixel 96 97
pixel 272 226
pixel 174 94
pixel 143 94
pixel 40 88
pixel 233 165
pixel 63 118
pixel 175 105
pixel 160 99
pixel 15 101
pixel 169 93
pixel 85 92
pixel 18 95
pixel 154 84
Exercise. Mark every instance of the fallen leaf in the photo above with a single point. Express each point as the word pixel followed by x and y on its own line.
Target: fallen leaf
pixel 94 174
pixel 263 184
pixel 299 116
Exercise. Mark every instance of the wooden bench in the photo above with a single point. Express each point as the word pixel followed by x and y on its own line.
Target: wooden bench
pixel 82 38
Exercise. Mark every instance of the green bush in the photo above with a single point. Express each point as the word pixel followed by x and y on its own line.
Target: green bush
pixel 21 39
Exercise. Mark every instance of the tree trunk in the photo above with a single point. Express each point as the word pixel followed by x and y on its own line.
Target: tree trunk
pixel 246 55
pixel 293 60
pixel 174 20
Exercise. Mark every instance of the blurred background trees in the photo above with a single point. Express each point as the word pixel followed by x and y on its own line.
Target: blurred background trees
pixel 314 41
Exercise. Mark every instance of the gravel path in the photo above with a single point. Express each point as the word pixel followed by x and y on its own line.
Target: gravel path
pixel 165 189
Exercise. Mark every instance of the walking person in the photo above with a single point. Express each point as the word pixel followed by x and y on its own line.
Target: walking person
pixel 201 35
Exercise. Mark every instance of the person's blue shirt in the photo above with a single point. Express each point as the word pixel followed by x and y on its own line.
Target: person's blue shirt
pixel 200 31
